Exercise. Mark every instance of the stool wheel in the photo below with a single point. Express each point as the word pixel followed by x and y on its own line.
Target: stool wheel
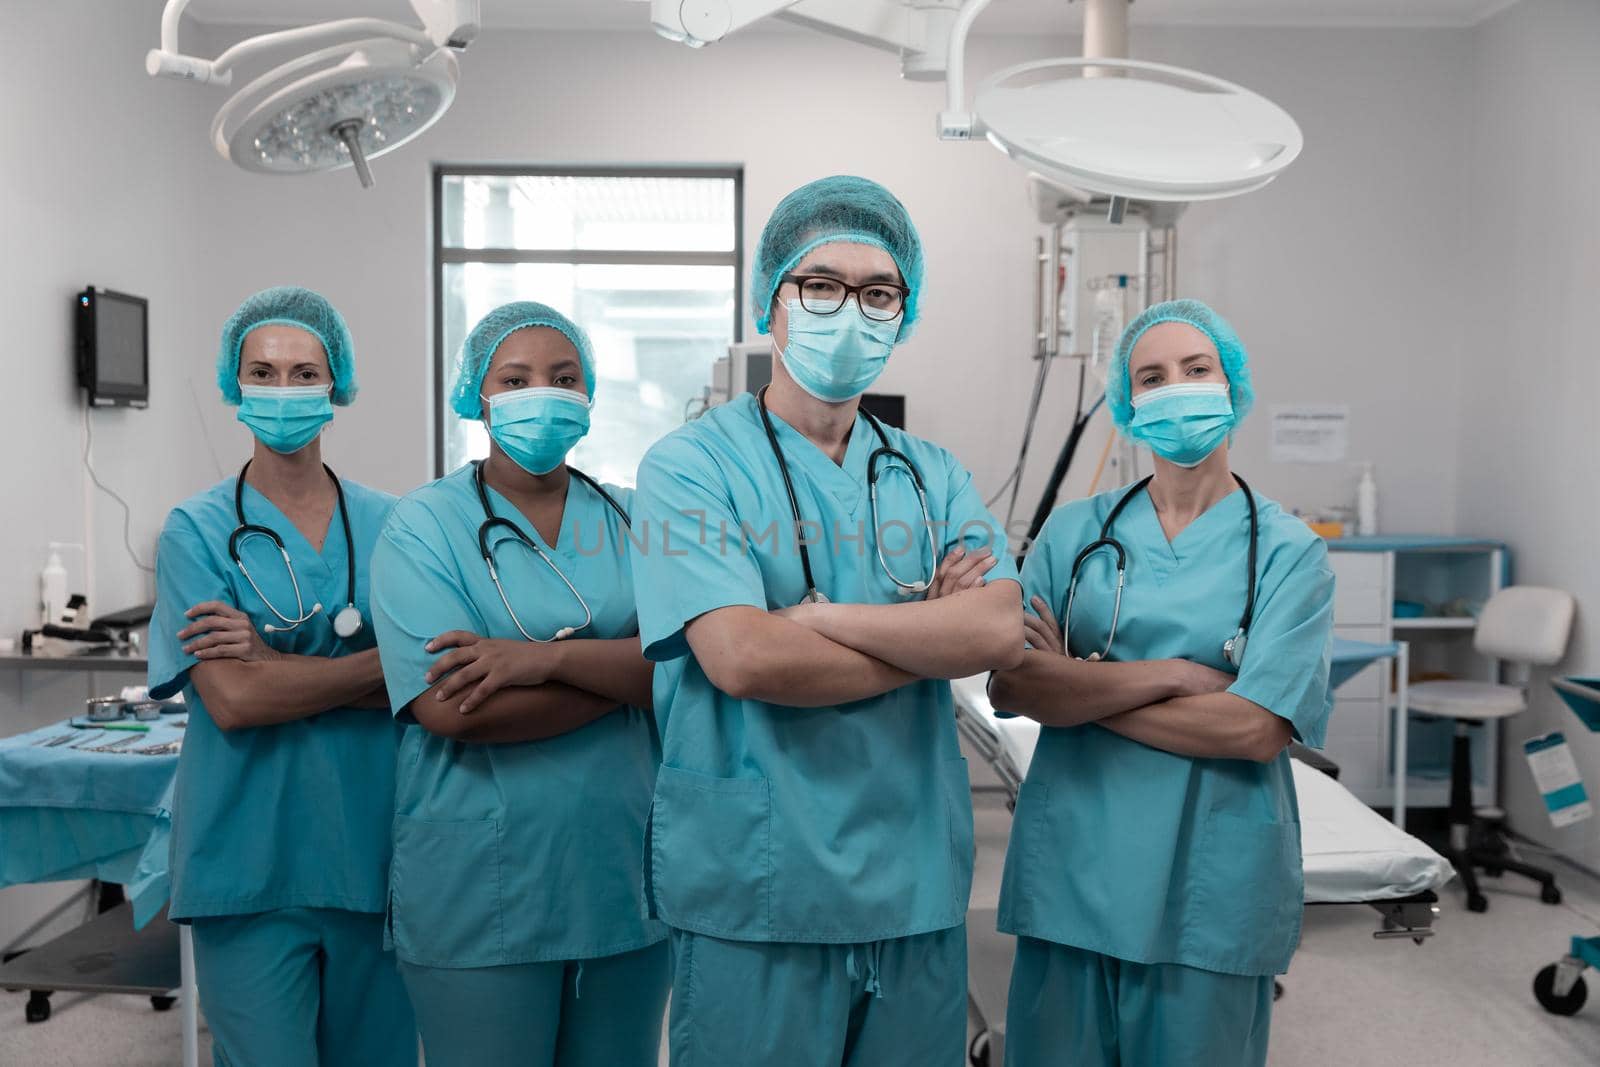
pixel 978 1051
pixel 1544 991
pixel 37 1010
pixel 1550 894
pixel 1477 902
pixel 163 1003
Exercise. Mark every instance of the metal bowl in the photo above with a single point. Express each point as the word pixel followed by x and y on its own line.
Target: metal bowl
pixel 103 709
pixel 146 710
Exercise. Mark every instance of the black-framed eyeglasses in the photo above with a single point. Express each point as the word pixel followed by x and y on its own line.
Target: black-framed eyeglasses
pixel 824 295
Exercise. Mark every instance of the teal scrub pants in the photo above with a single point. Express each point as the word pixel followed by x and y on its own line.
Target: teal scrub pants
pixel 1071 1008
pixel 776 1004
pixel 603 1012
pixel 302 987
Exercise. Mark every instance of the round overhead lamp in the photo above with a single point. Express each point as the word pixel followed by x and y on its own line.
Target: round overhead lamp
pixel 1151 132
pixel 337 107
pixel 382 84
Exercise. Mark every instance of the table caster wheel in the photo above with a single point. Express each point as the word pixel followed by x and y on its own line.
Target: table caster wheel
pixel 37 1009
pixel 979 1049
pixel 1544 991
pixel 163 1003
pixel 1550 894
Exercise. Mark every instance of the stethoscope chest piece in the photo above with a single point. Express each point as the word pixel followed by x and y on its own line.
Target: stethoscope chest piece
pixel 347 623
pixel 1233 649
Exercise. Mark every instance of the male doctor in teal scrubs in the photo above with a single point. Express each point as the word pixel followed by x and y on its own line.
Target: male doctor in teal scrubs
pixel 810 843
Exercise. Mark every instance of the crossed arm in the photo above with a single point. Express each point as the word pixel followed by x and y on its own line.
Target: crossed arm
pixel 1174 705
pixel 245 682
pixel 484 690
pixel 822 655
pixel 491 691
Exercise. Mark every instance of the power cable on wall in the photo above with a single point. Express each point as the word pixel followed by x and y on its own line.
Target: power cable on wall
pixel 127 512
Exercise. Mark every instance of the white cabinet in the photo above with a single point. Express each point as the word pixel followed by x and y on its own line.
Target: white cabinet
pixel 1440 574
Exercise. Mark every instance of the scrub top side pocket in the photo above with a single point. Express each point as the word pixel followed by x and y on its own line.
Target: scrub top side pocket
pixel 1248 898
pixel 710 854
pixel 445 908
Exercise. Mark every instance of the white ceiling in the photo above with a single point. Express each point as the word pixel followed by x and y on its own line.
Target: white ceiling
pixel 1002 16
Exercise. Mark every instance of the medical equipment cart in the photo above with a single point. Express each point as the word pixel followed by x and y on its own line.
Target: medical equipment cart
pixel 1560 988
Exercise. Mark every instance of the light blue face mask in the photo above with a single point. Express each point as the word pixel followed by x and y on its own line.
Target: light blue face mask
pixel 285 418
pixel 1183 423
pixel 837 357
pixel 537 427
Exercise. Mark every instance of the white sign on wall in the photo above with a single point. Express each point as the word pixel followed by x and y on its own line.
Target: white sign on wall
pixel 1310 433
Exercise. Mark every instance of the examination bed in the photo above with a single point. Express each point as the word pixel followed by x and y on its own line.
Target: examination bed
pixel 1351 854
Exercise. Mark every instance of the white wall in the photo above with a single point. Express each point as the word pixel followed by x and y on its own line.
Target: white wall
pixel 100 188
pixel 1528 437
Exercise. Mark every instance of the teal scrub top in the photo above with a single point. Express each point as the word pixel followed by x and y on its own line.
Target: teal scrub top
pixel 771 823
pixel 525 852
pixel 1136 853
pixel 290 815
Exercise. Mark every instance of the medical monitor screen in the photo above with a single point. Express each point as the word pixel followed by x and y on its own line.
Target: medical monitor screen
pixel 887 407
pixel 113 347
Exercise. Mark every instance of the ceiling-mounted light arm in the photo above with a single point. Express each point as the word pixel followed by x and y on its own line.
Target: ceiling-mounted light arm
pixel 956 121
pixel 701 22
pixel 875 23
pixel 171 15
pixel 450 23
pixel 916 30
pixel 310 36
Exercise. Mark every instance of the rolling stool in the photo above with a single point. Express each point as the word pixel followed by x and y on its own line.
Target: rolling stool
pixel 1524 625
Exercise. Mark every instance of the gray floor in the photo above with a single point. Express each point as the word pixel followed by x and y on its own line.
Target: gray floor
pixel 1462 998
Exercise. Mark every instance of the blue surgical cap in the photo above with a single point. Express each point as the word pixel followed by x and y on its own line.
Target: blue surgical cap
pixel 289 305
pixel 841 208
pixel 1230 350
pixel 486 337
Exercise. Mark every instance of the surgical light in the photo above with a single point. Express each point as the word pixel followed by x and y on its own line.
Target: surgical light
pixel 337 106
pixel 1156 133
pixel 1101 124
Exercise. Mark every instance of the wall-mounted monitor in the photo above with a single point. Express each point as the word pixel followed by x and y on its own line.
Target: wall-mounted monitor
pixel 114 348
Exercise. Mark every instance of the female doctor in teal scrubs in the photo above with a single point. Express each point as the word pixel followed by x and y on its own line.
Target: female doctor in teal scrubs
pixel 811 833
pixel 1153 878
pixel 529 752
pixel 280 851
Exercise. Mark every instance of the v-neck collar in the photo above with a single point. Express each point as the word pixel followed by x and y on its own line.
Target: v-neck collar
pixel 571 514
pixel 255 502
pixel 845 480
pixel 1164 556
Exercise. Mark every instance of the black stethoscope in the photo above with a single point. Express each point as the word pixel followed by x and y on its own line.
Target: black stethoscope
pixel 347 623
pixel 883 452
pixel 1233 648
pixel 491 522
